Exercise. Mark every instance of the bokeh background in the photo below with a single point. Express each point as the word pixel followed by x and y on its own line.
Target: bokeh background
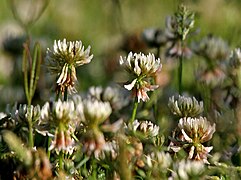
pixel 111 27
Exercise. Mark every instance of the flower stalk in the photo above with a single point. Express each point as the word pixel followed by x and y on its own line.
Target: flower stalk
pixel 184 23
pixel 180 71
pixel 31 65
pixel 61 157
pixel 133 116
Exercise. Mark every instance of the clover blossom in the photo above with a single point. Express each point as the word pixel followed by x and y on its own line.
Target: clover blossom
pixel 196 129
pixel 62 60
pixel 21 113
pixel 147 128
pixel 112 94
pixel 157 160
pixel 235 57
pixel 141 67
pixel 212 48
pixel 110 150
pixel 59 118
pixel 191 135
pixel 211 77
pixel 185 106
pixel 186 169
pixel 95 112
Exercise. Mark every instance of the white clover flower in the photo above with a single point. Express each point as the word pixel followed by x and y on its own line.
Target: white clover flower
pixel 146 127
pixel 149 128
pixel 79 107
pixel 142 67
pixel 191 134
pixel 71 52
pixel 116 97
pixel 196 129
pixel 56 113
pixel 95 111
pixel 111 94
pixel 95 92
pixel 23 112
pixel 140 64
pixel 185 106
pixel 213 48
pixel 110 150
pixel 235 57
pixel 187 169
pixel 62 141
pixel 135 125
pixel 212 77
pixel 159 160
pixel 59 120
pixel 62 60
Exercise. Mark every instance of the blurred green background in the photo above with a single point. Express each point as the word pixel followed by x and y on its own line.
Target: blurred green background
pixel 104 25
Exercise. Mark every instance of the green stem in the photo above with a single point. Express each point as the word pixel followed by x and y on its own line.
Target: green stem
pixel 25 73
pixel 180 71
pixel 133 116
pixel 86 158
pixel 35 68
pixel 180 75
pixel 30 126
pixel 206 97
pixel 61 156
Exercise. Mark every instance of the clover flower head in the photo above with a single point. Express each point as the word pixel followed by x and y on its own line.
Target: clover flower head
pixel 213 48
pixel 116 97
pixel 58 112
pixel 68 52
pixel 23 112
pixel 235 57
pixel 93 142
pixel 95 92
pixel 62 60
pixel 111 94
pixel 95 111
pixel 147 128
pixel 32 111
pixel 197 130
pixel 140 64
pixel 79 107
pixel 59 120
pixel 142 67
pixel 186 169
pixel 191 134
pixel 110 150
pixel 62 141
pixel 211 77
pixel 185 106
pixel 158 159
pixel 176 49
